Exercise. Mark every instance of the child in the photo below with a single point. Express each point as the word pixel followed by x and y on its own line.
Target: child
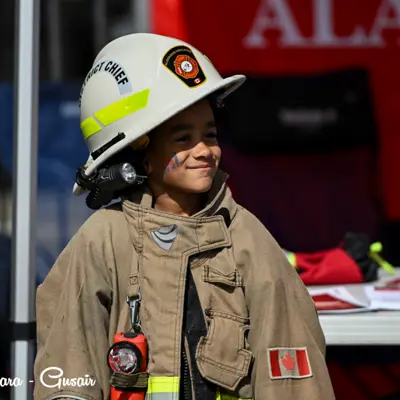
pixel 223 312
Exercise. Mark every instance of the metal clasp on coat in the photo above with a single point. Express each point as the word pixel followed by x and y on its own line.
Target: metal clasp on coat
pixel 134 305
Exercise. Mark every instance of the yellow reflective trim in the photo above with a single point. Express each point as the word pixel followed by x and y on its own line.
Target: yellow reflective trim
pixel 223 396
pixel 163 384
pixel 89 127
pixel 376 248
pixel 291 258
pixel 121 108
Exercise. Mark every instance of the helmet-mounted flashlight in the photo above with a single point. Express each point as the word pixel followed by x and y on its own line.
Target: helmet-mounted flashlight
pixel 104 184
pixel 128 173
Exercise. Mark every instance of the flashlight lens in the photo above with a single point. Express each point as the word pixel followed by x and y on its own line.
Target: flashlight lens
pixel 122 358
pixel 128 173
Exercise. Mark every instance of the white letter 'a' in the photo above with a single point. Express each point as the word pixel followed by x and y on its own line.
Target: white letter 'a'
pixel 273 14
pixel 383 20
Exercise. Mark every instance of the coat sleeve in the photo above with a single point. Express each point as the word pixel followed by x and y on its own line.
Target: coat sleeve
pixel 72 315
pixel 285 335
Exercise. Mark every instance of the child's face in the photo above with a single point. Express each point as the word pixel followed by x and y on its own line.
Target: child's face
pixel 184 153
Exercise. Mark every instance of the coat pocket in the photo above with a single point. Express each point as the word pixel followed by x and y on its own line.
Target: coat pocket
pixel 212 275
pixel 223 356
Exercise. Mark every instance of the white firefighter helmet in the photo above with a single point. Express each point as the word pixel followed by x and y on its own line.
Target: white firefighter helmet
pixel 136 83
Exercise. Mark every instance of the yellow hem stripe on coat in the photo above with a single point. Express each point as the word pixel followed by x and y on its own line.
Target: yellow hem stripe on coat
pixel 168 385
pixel 163 384
pixel 223 396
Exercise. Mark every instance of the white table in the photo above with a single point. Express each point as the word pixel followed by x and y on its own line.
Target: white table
pixel 368 328
pixel 365 328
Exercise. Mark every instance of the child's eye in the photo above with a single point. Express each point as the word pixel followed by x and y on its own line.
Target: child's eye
pixel 212 135
pixel 182 138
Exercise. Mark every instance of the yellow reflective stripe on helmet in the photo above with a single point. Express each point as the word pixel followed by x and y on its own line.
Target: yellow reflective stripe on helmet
pixel 121 108
pixel 89 127
pixel 163 384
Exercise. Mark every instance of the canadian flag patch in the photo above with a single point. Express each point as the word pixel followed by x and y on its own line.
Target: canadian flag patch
pixel 289 362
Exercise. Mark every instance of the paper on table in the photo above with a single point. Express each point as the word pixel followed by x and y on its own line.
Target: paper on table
pixel 337 300
pixel 387 293
pixel 340 300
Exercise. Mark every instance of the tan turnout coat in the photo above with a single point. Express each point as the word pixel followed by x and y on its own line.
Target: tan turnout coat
pixel 253 302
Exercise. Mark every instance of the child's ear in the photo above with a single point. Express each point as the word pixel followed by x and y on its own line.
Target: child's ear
pixel 147 165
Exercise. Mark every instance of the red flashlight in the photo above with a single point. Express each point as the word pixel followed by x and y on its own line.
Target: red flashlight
pixel 128 355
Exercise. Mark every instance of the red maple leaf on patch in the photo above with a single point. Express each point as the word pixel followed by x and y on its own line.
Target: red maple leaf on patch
pixel 288 362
